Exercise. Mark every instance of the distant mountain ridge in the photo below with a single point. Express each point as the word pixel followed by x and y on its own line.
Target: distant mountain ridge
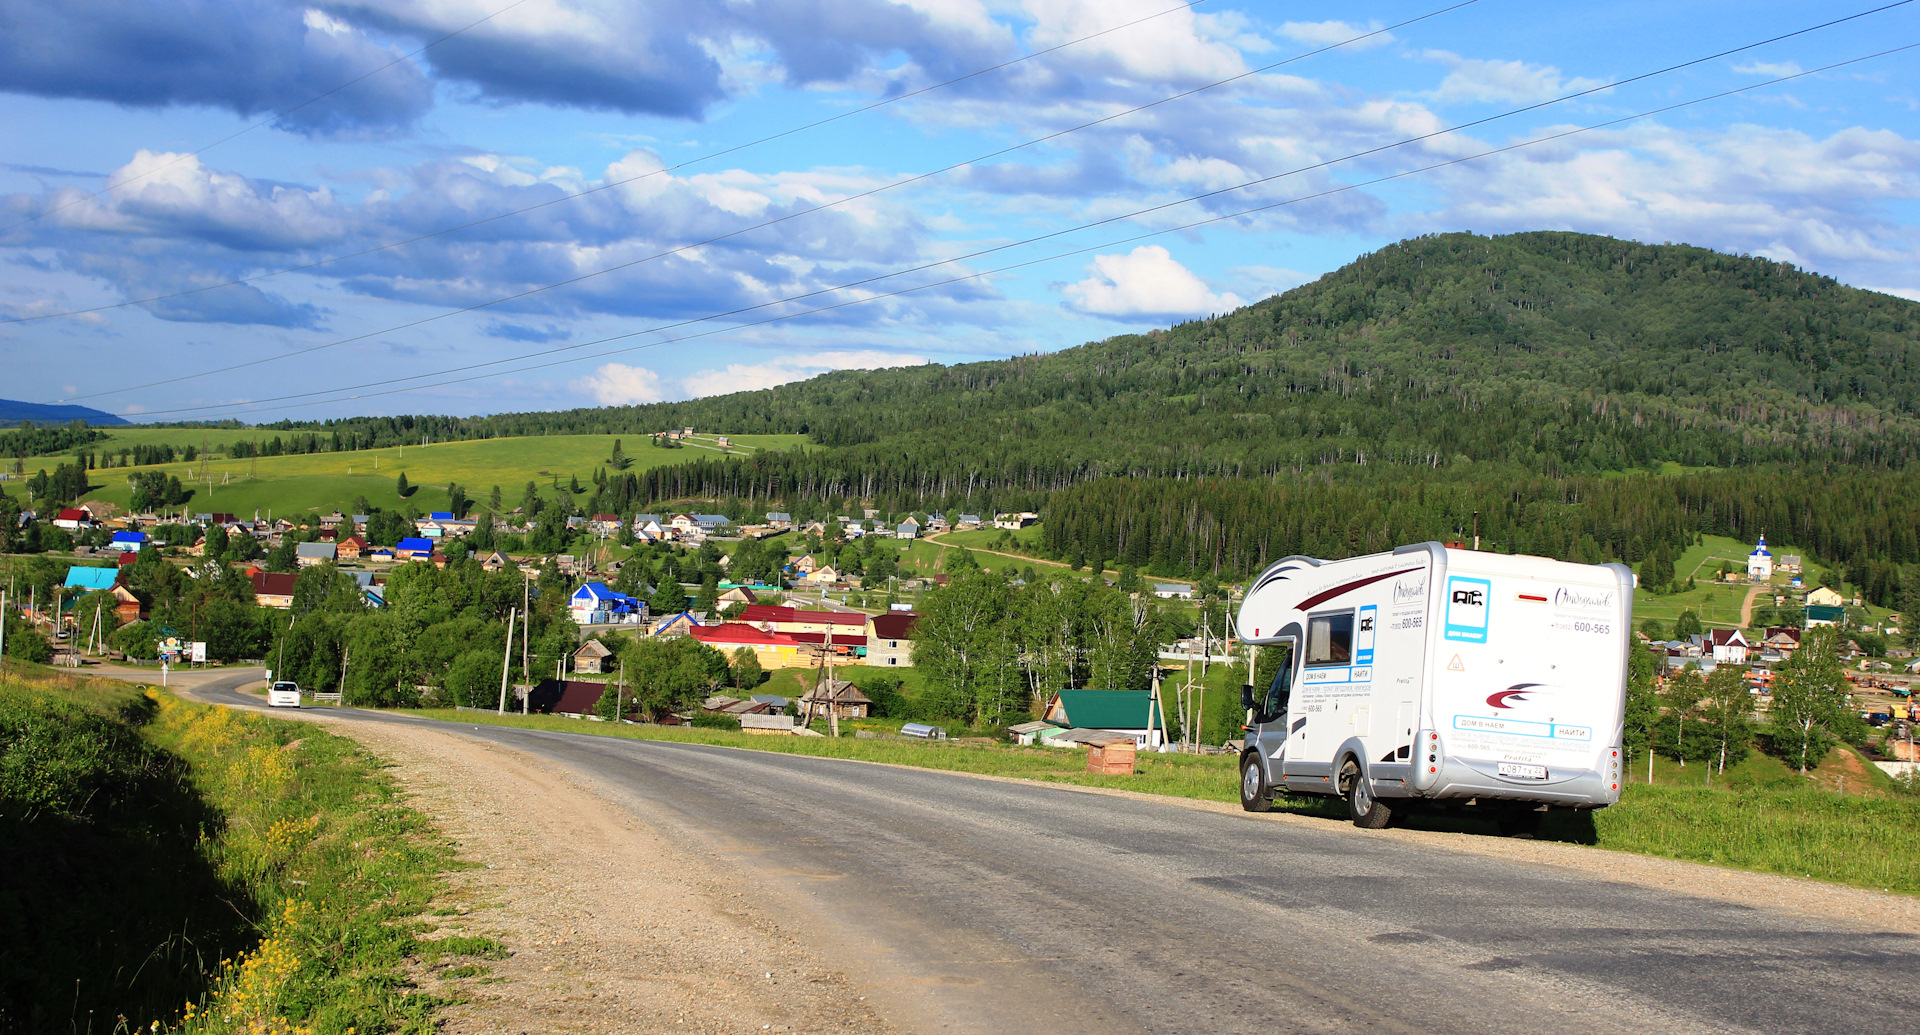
pixel 1555 353
pixel 13 411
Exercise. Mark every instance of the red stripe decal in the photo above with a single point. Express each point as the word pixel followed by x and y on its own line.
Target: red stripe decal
pixel 1321 598
pixel 1530 596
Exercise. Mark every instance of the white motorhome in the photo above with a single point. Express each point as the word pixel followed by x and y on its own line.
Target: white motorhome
pixel 1432 673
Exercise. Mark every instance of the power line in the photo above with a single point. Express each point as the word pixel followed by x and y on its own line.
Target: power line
pixel 609 185
pixel 678 249
pixel 277 116
pixel 250 406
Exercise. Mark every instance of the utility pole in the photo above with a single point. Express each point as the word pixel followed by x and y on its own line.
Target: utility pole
pixel 526 671
pixel 506 660
pixel 1476 530
pixel 3 628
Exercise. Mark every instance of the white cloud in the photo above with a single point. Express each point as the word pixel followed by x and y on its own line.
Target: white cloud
pixel 1145 282
pixel 1818 203
pixel 1326 34
pixel 1912 294
pixel 1770 69
pixel 1514 82
pixel 746 377
pixel 616 384
pixel 1168 49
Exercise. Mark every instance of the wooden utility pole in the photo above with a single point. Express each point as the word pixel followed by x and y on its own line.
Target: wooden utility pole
pixel 506 662
pixel 526 669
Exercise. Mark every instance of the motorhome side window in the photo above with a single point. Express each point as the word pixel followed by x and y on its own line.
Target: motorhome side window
pixel 1330 639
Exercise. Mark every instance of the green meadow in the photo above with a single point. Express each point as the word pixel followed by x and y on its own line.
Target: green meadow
pixel 324 481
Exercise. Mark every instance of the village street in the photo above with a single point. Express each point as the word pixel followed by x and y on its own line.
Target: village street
pixel 970 904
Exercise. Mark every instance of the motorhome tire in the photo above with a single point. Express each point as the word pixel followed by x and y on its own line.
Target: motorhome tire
pixel 1368 812
pixel 1255 795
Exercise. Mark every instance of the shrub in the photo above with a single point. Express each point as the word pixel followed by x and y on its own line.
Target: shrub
pixel 715 721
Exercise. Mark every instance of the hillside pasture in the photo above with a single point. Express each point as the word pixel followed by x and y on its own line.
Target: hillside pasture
pixel 325 481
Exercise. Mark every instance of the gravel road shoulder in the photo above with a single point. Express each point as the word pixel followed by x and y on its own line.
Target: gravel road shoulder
pixel 610 927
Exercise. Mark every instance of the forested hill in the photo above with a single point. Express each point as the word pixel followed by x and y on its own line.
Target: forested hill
pixel 1562 353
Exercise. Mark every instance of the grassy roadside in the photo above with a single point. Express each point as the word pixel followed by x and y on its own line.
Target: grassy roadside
pixel 204 870
pixel 1867 842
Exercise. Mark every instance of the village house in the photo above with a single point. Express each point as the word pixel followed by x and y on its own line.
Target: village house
pixel 738 595
pixel 967 522
pixel 823 576
pixel 591 658
pixel 306 555
pixel 794 620
pixel 596 604
pixel 771 649
pixel 128 542
pixel 1824 616
pixel 606 524
pixel 907 529
pixel 1172 591
pixel 496 561
pixel 412 548
pixel 1825 597
pixel 350 548
pixel 890 639
pixel 1015 522
pixel 779 520
pixel 836 697
pixel 91 580
pixel 73 519
pixel 273 589
pixel 1133 713
pixel 128 607
pixel 1728 646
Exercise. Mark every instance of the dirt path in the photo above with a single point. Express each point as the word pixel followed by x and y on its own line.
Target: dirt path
pixel 611 928
pixel 1746 606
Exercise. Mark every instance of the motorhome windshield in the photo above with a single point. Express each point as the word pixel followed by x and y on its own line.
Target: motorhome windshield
pixel 1274 705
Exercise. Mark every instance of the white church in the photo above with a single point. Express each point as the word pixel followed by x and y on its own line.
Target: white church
pixel 1760 562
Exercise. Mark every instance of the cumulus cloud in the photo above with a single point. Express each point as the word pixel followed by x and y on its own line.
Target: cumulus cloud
pixel 1815 202
pixel 1170 49
pixel 1479 80
pixel 247 56
pixel 746 377
pixel 182 224
pixel 617 384
pixel 1145 282
pixel 1326 34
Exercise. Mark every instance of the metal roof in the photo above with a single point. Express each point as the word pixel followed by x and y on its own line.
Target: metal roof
pixel 1104 709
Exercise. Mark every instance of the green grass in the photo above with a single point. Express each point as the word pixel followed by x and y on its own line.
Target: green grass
pixel 324 481
pixel 263 873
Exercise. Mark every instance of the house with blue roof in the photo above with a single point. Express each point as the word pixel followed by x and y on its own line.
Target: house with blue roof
pixel 128 542
pixel 89 580
pixel 413 548
pixel 596 604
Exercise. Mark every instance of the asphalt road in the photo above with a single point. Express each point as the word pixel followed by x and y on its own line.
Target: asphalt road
pixel 1008 907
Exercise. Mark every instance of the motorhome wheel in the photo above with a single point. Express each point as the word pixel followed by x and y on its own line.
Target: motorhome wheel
pixel 1255 795
pixel 1367 811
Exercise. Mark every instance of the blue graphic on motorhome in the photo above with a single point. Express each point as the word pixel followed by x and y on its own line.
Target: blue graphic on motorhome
pixel 1468 602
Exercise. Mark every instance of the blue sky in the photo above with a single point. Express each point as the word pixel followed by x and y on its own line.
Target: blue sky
pixel 551 97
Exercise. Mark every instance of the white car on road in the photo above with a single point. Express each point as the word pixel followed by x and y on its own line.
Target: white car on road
pixel 283 694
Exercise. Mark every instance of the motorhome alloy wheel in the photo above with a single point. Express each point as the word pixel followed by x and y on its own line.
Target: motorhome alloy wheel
pixel 1367 811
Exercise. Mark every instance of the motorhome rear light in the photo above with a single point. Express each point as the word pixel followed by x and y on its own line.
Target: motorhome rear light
pixel 1433 736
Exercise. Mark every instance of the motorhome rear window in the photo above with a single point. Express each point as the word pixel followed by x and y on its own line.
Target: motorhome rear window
pixel 1330 638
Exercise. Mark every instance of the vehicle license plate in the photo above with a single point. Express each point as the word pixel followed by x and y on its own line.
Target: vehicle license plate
pixel 1523 771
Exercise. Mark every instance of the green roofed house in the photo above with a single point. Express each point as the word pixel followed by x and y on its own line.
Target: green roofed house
pixel 1132 712
pixel 1820 614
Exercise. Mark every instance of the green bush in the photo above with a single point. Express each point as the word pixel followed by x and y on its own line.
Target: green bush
pixel 715 721
pixel 29 646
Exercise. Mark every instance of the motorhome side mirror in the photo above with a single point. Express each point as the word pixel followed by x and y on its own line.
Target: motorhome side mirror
pixel 1246 697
